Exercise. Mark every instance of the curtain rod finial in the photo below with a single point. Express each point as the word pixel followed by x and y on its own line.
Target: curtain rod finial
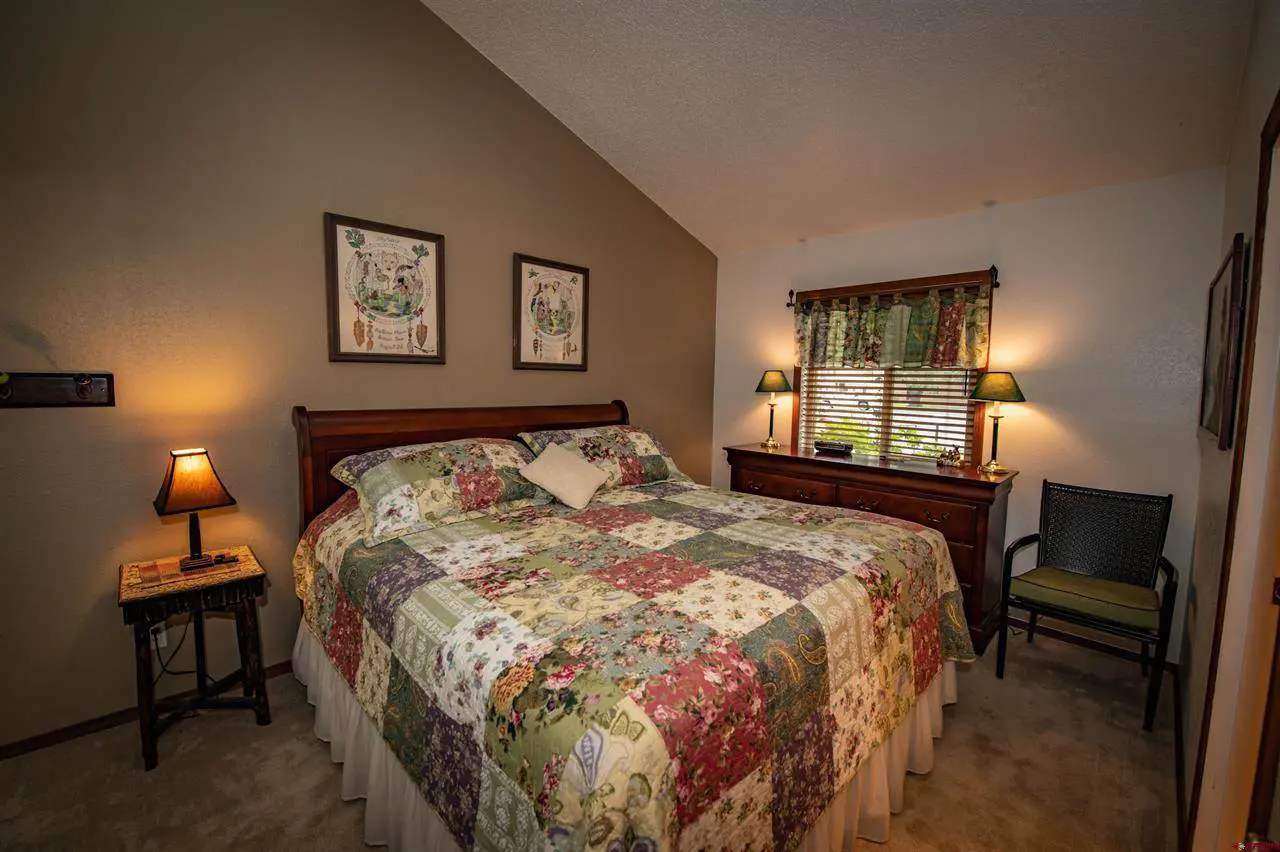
pixel 995 276
pixel 791 298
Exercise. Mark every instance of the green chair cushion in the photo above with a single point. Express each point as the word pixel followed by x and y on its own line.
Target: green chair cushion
pixel 1121 603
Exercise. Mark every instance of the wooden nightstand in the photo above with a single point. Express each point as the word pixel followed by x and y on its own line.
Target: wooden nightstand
pixel 152 591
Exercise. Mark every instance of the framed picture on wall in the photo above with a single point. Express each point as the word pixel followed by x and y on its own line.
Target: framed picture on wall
pixel 385 292
pixel 1220 380
pixel 549 324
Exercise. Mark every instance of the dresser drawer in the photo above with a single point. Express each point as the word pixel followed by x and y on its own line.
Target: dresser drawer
pixel 954 520
pixel 784 487
pixel 962 559
pixel 966 506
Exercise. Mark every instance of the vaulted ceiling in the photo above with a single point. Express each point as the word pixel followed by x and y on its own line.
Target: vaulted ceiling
pixel 758 123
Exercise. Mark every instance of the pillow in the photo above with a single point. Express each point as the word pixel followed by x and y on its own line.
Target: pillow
pixel 420 486
pixel 569 477
pixel 627 455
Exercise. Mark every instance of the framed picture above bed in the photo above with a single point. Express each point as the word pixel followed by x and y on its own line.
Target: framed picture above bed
pixel 1220 381
pixel 549 322
pixel 385 292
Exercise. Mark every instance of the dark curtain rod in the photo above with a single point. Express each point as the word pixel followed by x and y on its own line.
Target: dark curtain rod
pixel 984 277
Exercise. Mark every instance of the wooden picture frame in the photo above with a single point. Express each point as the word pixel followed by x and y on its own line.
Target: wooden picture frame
pixel 1220 376
pixel 385 292
pixel 549 316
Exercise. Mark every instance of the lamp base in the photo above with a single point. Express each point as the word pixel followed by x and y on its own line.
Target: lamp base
pixel 206 560
pixel 771 443
pixel 992 468
pixel 199 560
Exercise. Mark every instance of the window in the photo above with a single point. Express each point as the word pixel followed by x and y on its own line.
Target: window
pixel 889 366
pixel 894 412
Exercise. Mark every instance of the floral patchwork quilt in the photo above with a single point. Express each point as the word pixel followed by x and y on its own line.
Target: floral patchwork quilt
pixel 673 667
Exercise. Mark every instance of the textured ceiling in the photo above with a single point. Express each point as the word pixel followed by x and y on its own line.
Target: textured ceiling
pixel 758 123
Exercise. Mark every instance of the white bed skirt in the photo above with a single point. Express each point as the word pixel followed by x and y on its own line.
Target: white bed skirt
pixel 397 816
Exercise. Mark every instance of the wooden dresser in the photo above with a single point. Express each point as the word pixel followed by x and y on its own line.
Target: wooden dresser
pixel 968 507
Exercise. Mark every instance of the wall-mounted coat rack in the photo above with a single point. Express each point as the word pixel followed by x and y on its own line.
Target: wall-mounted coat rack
pixel 56 390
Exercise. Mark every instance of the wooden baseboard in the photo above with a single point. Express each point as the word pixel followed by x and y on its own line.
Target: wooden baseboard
pixel 102 723
pixel 1089 642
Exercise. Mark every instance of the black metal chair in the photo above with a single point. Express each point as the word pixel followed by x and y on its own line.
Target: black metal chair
pixel 1099 557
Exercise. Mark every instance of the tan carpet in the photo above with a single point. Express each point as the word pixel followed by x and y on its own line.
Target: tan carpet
pixel 1052 758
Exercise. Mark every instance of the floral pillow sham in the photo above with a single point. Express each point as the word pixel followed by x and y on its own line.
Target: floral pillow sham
pixel 627 455
pixel 420 486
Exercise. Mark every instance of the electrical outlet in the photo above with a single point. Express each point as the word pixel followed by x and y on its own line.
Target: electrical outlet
pixel 159 636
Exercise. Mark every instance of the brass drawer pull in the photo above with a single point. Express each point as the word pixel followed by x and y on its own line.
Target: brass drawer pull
pixel 755 485
pixel 801 494
pixel 865 506
pixel 931 518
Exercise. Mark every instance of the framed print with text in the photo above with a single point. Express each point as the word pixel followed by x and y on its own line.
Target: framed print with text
pixel 385 292
pixel 550 316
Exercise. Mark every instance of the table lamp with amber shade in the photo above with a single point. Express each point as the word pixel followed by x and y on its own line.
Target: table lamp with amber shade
pixel 997 388
pixel 191 485
pixel 772 382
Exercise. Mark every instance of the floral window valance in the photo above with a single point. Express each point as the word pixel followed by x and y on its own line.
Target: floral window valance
pixel 941 326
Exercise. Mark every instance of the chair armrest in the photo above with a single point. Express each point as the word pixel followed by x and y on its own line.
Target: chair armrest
pixel 1011 550
pixel 1168 596
pixel 1170 591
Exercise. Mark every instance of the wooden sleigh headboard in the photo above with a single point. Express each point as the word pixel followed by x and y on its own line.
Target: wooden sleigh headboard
pixel 327 437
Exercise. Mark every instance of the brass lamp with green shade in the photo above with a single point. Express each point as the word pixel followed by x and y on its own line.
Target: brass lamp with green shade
pixel 773 382
pixel 996 387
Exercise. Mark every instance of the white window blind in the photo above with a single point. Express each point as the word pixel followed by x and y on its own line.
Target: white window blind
pixel 894 413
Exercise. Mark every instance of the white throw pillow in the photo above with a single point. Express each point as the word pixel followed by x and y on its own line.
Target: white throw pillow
pixel 569 477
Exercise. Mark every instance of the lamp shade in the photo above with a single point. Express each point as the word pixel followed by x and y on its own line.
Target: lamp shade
pixel 773 381
pixel 998 387
pixel 191 484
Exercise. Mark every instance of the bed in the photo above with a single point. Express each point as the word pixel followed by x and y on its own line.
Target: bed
pixel 671 667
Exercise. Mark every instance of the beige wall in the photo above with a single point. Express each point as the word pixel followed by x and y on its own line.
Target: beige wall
pixel 164 167
pixel 1249 620
pixel 1100 316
